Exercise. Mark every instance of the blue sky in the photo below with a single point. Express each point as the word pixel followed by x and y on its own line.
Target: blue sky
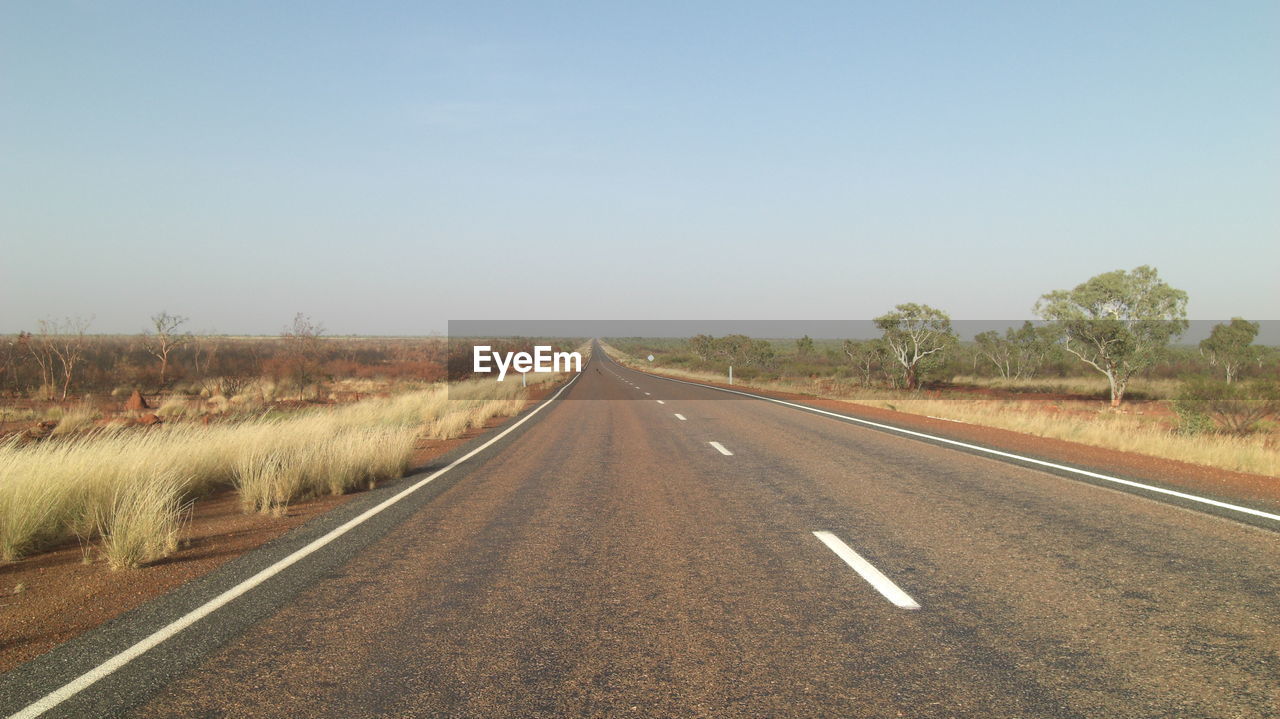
pixel 386 167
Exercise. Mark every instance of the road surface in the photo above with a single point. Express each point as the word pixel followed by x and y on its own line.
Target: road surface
pixel 654 549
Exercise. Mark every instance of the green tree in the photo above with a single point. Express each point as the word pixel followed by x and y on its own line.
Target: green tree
pixel 1019 353
pixel 804 346
pixel 913 333
pixel 1117 322
pixel 1231 345
pixel 703 345
pixel 867 356
pixel 733 348
pixel 759 353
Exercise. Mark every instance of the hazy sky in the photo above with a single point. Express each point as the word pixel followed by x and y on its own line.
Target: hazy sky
pixel 386 167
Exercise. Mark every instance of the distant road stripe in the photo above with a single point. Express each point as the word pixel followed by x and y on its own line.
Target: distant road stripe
pixel 718 446
pixel 996 452
pixel 874 577
pixel 680 416
pixel 57 696
pixel 660 401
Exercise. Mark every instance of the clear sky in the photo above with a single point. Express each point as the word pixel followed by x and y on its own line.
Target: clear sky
pixel 386 167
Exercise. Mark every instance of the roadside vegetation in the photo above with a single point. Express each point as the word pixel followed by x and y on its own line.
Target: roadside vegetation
pixel 1101 368
pixel 109 440
pixel 131 488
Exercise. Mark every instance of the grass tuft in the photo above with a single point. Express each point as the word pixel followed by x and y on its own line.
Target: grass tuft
pixel 127 487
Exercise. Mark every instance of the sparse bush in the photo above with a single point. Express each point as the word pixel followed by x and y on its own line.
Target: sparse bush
pixel 175 408
pixel 140 524
pixel 1191 417
pixel 126 486
pixel 76 419
pixel 268 480
pixel 1237 407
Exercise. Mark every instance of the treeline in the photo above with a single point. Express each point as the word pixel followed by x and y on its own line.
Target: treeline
pixel 1118 324
pixel 61 359
pixel 993 356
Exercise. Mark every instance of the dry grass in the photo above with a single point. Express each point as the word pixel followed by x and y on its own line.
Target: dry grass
pixel 140 524
pixel 75 420
pixel 128 487
pixel 1089 386
pixel 1099 427
pixel 1091 423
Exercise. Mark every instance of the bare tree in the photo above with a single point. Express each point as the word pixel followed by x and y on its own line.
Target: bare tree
pixel 66 341
pixel 166 339
pixel 14 347
pixel 204 348
pixel 304 343
pixel 40 345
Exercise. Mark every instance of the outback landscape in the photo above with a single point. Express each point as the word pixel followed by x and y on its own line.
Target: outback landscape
pixel 546 360
pixel 107 441
pixel 132 464
pixel 156 452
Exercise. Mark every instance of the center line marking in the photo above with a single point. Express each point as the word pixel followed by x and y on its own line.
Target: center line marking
pixel 680 416
pixel 883 584
pixel 660 401
pixel 646 394
pixel 718 446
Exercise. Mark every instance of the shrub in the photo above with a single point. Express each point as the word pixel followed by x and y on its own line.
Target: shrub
pixel 1236 407
pixel 76 419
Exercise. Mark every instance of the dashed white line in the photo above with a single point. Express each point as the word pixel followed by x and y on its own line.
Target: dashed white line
pixel 883 584
pixel 718 446
pixel 646 394
pixel 660 401
pixel 681 417
pixel 995 452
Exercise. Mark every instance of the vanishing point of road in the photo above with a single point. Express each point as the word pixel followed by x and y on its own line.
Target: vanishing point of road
pixel 649 548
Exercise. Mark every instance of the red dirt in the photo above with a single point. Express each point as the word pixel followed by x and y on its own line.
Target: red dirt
pixel 54 596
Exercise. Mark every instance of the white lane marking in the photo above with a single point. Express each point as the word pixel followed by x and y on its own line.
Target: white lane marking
pixel 659 401
pixel 996 452
pixel 57 696
pixel 718 446
pixel 944 419
pixel 883 584
pixel 680 417
pixel 646 394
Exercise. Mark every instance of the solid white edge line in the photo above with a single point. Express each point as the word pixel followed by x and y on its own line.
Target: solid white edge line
pixel 56 697
pixel 681 417
pixel 720 448
pixel 996 452
pixel 874 576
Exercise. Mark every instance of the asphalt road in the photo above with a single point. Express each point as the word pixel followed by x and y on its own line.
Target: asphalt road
pixel 607 559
